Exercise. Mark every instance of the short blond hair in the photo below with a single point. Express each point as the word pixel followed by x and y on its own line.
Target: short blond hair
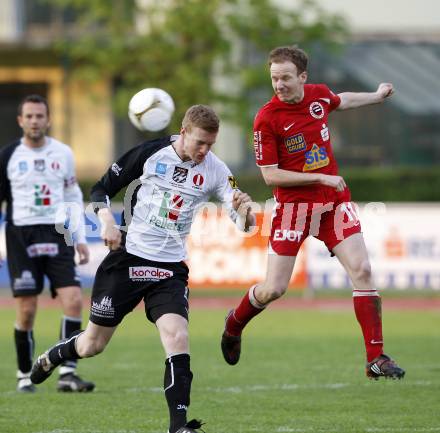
pixel 201 116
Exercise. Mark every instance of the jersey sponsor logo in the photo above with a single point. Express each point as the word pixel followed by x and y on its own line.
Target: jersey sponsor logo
pixel 180 174
pixel 316 110
pixel 22 167
pixel 287 127
pixel 161 168
pixel 39 164
pixel 316 158
pixel 169 211
pixel 233 182
pixel 166 224
pixel 25 282
pixel 42 195
pixel 287 235
pixel 170 206
pixel 104 308
pixel 325 132
pixel 116 169
pixel 258 146
pixel 148 273
pixel 198 180
pixel 42 249
pixel 295 143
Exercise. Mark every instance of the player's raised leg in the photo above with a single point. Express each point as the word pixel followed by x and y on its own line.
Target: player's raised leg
pixel 353 255
pixel 80 345
pixel 279 272
pixel 173 330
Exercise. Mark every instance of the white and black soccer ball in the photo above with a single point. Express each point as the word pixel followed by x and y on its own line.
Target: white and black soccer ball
pixel 151 109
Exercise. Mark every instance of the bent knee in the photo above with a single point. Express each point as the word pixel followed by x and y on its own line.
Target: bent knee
pixel 362 272
pixel 179 337
pixel 176 340
pixel 269 293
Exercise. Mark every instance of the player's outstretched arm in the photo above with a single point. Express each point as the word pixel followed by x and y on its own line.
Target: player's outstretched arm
pixel 359 99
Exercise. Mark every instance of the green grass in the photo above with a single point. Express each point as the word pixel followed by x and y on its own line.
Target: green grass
pixel 301 371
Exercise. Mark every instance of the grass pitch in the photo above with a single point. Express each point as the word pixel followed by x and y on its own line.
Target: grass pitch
pixel 301 371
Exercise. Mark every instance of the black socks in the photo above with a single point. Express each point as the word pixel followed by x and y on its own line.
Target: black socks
pixel 64 350
pixel 177 386
pixel 24 345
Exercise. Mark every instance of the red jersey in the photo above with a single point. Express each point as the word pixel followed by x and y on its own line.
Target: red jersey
pixel 296 137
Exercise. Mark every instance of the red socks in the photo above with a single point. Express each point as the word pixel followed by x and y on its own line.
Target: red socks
pixel 368 310
pixel 248 308
pixel 367 307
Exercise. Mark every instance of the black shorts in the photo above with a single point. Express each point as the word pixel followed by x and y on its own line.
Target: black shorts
pixel 123 280
pixel 35 251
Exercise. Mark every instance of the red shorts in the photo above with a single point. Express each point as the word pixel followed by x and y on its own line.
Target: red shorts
pixel 330 222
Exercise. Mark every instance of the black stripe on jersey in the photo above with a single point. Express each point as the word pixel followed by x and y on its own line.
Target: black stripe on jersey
pixel 125 170
pixel 5 185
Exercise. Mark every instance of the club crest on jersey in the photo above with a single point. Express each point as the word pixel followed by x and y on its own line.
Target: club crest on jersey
pixel 233 182
pixel 39 164
pixel 295 143
pixel 316 158
pixel 180 174
pixel 22 167
pixel 161 168
pixel 198 180
pixel 316 110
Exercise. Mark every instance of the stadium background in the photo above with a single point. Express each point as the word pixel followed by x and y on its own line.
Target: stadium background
pixel 389 155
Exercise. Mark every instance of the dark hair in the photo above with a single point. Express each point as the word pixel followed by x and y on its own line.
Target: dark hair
pixel 32 98
pixel 201 116
pixel 289 54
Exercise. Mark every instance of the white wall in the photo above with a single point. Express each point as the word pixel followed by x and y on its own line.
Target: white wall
pixel 9 20
pixel 379 16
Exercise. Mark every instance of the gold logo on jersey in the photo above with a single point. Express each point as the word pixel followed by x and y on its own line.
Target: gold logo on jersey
pixel 295 143
pixel 233 182
pixel 316 158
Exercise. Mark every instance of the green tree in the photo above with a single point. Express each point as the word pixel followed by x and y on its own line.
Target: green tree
pixel 200 51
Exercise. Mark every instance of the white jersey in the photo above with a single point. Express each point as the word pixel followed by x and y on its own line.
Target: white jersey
pixel 37 183
pixel 163 194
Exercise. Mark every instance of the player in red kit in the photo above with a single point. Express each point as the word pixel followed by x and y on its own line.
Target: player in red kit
pixel 293 151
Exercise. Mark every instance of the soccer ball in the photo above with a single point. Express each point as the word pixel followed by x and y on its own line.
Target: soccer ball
pixel 151 109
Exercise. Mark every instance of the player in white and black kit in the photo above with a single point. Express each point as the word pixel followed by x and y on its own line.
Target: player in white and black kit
pixel 37 178
pixel 167 179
